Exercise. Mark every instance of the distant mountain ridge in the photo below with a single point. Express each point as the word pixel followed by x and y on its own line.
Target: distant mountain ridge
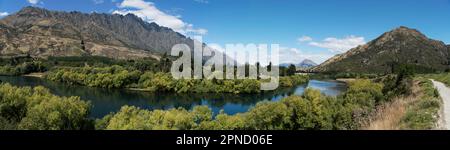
pixel 39 32
pixel 306 63
pixel 399 46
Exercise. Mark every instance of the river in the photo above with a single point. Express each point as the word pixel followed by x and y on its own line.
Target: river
pixel 105 101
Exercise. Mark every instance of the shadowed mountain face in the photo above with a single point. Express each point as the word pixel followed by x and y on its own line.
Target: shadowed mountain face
pixel 400 46
pixel 40 32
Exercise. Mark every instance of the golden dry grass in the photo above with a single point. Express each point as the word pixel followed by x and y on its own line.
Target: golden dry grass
pixel 389 115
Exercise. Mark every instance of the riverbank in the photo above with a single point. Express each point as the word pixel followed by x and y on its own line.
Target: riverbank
pixel 346 80
pixel 36 75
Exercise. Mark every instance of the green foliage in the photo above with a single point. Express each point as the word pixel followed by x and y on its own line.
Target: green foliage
pixel 312 111
pixel 442 77
pixel 132 118
pixel 294 80
pixel 146 64
pixel 121 77
pixel 108 77
pixel 37 109
pixel 23 68
pixel 269 116
pixel 362 97
pixel 345 75
pixel 156 81
pixel 291 70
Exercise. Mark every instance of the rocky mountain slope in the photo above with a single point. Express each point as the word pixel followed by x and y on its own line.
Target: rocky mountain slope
pixel 399 46
pixel 39 32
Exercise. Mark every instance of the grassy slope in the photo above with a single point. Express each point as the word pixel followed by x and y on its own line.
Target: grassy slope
pixel 417 111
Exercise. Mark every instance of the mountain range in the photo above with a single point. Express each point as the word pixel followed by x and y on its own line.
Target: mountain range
pixel 39 32
pixel 401 46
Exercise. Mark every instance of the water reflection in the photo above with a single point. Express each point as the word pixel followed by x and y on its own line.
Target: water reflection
pixel 105 101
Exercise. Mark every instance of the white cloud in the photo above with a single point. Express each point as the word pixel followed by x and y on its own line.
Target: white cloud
pixel 304 39
pixel 202 1
pixel 34 2
pixel 148 12
pixel 3 14
pixel 98 1
pixel 340 45
pixel 295 56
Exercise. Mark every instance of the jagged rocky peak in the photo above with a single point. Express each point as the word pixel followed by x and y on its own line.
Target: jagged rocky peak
pixel 41 32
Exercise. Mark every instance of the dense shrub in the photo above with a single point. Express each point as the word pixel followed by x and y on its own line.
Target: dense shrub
pixel 23 68
pixel 120 77
pixel 36 109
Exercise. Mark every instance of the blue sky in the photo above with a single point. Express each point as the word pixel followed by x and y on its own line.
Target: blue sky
pixel 315 29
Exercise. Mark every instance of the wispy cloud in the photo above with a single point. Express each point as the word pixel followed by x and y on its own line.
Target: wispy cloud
pixel 3 14
pixel 34 2
pixel 304 39
pixel 202 1
pixel 99 1
pixel 339 45
pixel 295 56
pixel 149 12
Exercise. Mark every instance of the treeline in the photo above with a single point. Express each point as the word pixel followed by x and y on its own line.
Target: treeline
pixel 23 68
pixel 121 77
pixel 14 66
pixel 37 109
pixel 394 69
pixel 312 111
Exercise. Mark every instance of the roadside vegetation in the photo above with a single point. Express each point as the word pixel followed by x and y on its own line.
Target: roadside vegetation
pixel 423 112
pixel 414 103
pixel 441 77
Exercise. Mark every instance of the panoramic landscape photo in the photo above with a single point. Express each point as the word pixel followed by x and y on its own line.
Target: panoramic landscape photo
pixel 224 65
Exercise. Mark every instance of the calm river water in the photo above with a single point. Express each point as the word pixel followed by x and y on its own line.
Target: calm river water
pixel 105 101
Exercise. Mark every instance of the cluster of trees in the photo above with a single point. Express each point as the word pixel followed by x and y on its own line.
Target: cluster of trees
pixel 37 109
pixel 147 64
pixel 107 77
pixel 312 111
pixel 14 66
pixel 288 71
pixel 293 80
pixel 23 68
pixel 121 77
